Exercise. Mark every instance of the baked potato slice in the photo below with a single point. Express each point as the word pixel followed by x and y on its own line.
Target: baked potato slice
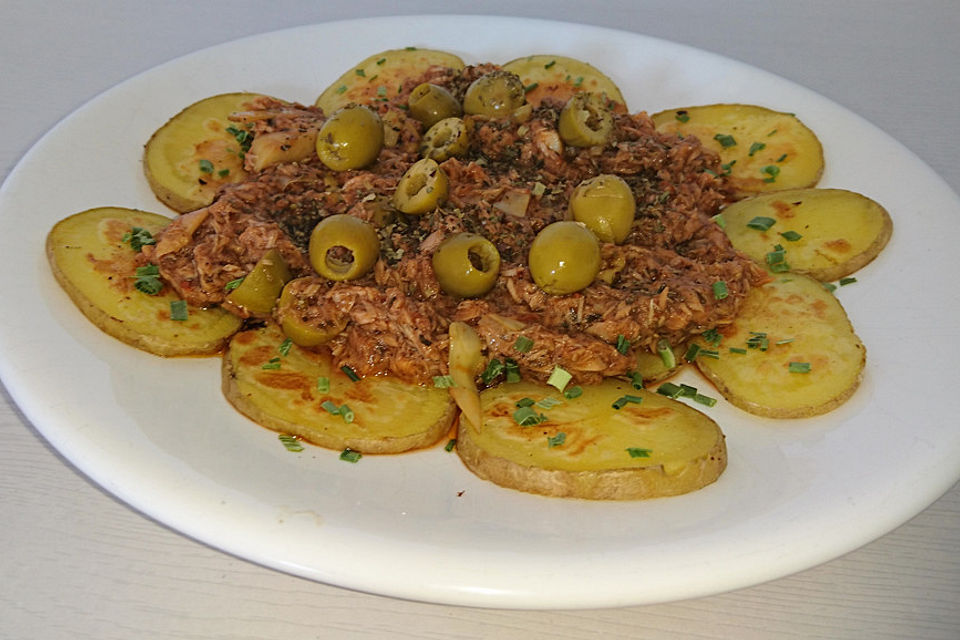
pixel 386 71
pixel 584 447
pixel 197 151
pixel 826 233
pixel 760 149
pixel 94 261
pixel 281 387
pixel 791 353
pixel 560 77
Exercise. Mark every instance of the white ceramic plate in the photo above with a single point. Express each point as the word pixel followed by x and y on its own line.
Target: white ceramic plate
pixel 159 435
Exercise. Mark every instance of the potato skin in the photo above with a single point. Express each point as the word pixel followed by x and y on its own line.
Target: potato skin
pixel 687 450
pixel 97 269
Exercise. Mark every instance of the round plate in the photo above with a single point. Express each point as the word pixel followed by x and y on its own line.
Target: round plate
pixel 158 434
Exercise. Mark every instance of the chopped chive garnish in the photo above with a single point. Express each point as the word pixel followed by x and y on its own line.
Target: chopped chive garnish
pixel 223 173
pixel 284 347
pixel 782 158
pixel 350 373
pixel 666 354
pixel 341 88
pixel 720 290
pixel 728 167
pixel 761 223
pixel 291 443
pixel 272 365
pixel 512 370
pixel 692 352
pixel 758 340
pixel 330 407
pixel 349 455
pixel 637 452
pixel 546 403
pixel 791 236
pixel 524 402
pixel 527 417
pixel 557 440
pixel 530 87
pixel 682 116
pixel 523 344
pixel 443 382
pixel 756 146
pixel 799 367
pixel 549 64
pixel 178 310
pixel 670 390
pixel 573 392
pixel 725 140
pixel 360 72
pixel 623 345
pixel 772 172
pixel 720 220
pixel 737 350
pixel 709 353
pixel 381 61
pixel 346 413
pixel 623 401
pixel 829 286
pixel 578 82
pixel 704 400
pixel 451 443
pixel 323 384
pixel 206 166
pixel 148 280
pixel 494 369
pixel 382 91
pixel 559 378
pixel 712 336
pixel 636 379
pixel 846 281
pixel 233 284
pixel 784 341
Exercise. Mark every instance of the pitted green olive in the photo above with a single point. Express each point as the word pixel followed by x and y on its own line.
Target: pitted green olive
pixel 445 139
pixel 258 291
pixel 496 94
pixel 350 139
pixel 343 247
pixel 430 103
pixel 302 332
pixel 564 258
pixel 585 120
pixel 605 204
pixel 466 265
pixel 422 188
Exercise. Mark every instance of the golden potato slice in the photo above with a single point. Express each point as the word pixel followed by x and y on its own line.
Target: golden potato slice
pixel 197 151
pixel 761 149
pixel 826 233
pixel 791 353
pixel 584 447
pixel 381 75
pixel 654 367
pixel 284 390
pixel 560 77
pixel 96 265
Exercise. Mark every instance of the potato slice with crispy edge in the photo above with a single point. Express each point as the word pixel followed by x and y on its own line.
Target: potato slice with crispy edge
pixel 278 388
pixel 586 448
pixel 381 76
pixel 839 231
pixel 97 269
pixel 791 353
pixel 760 149
pixel 191 156
pixel 560 77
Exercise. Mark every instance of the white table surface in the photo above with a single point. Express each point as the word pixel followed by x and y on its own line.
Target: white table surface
pixel 77 563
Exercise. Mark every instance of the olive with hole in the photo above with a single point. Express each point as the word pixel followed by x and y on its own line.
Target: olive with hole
pixel 605 204
pixel 445 139
pixel 466 265
pixel 303 332
pixel 586 120
pixel 259 290
pixel 343 247
pixel 422 188
pixel 350 139
pixel 431 103
pixel 564 257
pixel 496 94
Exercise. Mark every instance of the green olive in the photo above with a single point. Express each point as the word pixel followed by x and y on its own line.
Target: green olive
pixel 496 94
pixel 606 205
pixel 343 247
pixel 466 265
pixel 430 103
pixel 586 120
pixel 445 139
pixel 304 333
pixel 350 139
pixel 422 188
pixel 564 257
pixel 258 291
